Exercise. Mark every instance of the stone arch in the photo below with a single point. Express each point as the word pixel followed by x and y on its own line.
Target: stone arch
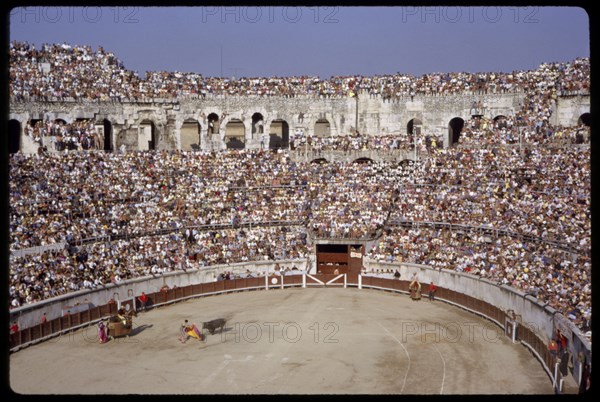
pixel 414 126
pixel 585 119
pixel 107 126
pixel 190 133
pixel 258 122
pixel 455 126
pixel 70 141
pixel 413 129
pixel 147 135
pixel 86 142
pixel 235 134
pixel 319 160
pixel 33 122
pixel 500 121
pixel 322 128
pixel 363 160
pixel 214 123
pixel 35 125
pixel 407 162
pixel 279 134
pixel 14 136
pixel 62 122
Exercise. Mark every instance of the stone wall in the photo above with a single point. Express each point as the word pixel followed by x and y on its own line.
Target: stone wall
pixel 569 109
pixel 375 117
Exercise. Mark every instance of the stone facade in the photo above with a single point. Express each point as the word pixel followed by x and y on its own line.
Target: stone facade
pixel 160 124
pixel 569 110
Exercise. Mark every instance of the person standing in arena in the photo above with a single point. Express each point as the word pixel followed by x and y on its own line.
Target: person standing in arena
pixel 102 335
pixel 415 288
pixel 432 290
pixel 143 300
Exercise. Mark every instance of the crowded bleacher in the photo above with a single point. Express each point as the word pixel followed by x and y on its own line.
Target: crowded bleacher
pixel 136 214
pixel 62 71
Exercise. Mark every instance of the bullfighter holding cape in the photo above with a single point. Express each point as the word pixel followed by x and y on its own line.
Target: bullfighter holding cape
pixel 190 330
pixel 415 288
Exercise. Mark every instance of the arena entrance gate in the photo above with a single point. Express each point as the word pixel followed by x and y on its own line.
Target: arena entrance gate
pixel 339 258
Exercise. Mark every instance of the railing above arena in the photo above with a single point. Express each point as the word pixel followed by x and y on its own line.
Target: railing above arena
pixel 215 226
pixel 314 95
pixel 489 183
pixel 199 97
pixel 486 230
pixel 133 235
pixel 45 206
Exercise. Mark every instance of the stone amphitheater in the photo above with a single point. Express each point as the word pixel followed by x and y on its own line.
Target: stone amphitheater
pixel 218 123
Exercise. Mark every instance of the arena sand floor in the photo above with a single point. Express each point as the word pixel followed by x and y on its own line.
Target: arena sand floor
pixel 291 341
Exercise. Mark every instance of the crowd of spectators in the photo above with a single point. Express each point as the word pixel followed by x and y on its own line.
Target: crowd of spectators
pixel 348 200
pixel 58 198
pixel 557 278
pixel 64 71
pixel 545 193
pixel 481 132
pixel 80 195
pixel 78 72
pixel 79 135
pixel 37 277
pixel 355 142
pixel 147 213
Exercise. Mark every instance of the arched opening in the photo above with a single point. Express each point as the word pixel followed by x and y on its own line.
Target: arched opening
pixel 147 136
pixel 257 124
pixel 213 123
pixel 14 136
pixel 322 128
pixel 406 163
pixel 107 126
pixel 414 127
pixel 190 135
pixel 319 161
pixel 35 126
pixel 413 130
pixel 34 129
pixel 455 126
pixel 84 134
pixel 585 119
pixel 500 121
pixel 235 134
pixel 60 131
pixel 363 160
pixel 279 134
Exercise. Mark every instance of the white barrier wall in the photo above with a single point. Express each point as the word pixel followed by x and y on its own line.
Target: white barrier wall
pixel 31 314
pixel 534 314
pixel 536 317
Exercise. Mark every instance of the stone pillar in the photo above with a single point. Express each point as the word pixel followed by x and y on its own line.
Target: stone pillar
pixel 177 137
pixel 204 138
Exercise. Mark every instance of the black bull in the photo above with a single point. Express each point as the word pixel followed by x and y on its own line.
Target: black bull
pixel 212 325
